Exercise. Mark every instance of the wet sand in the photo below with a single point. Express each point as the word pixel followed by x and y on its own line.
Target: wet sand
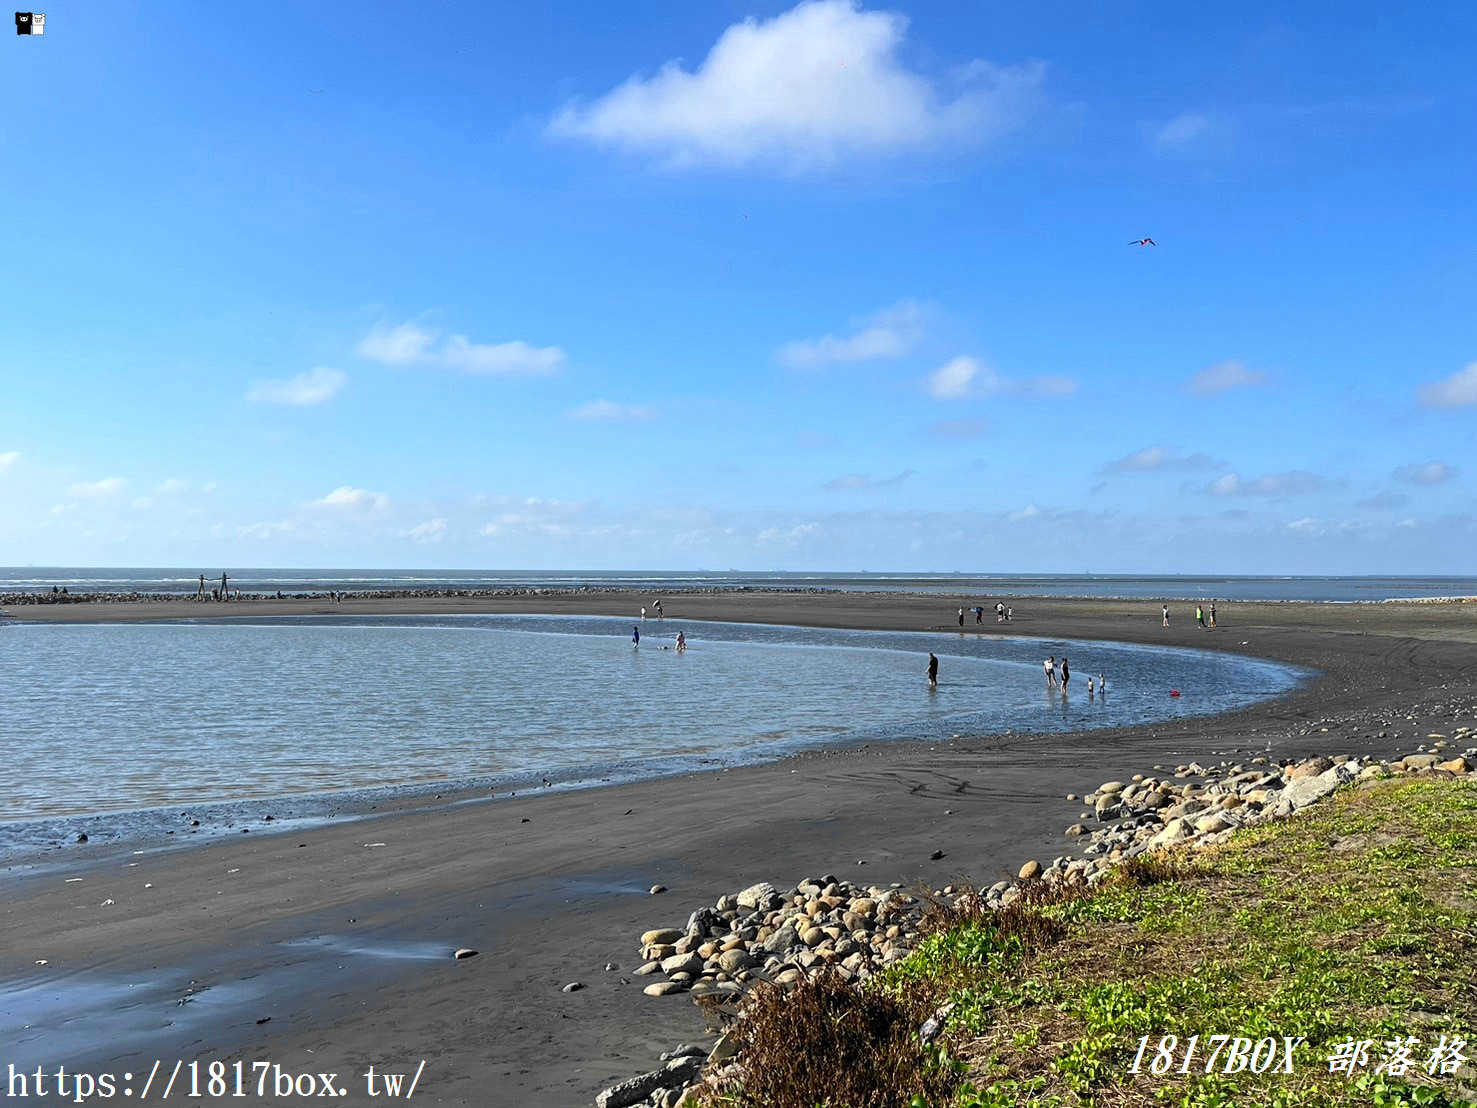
pixel 345 947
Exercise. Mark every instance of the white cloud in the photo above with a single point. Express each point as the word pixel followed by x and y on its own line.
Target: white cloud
pixel 97 490
pixel 804 90
pixel 8 459
pixel 411 344
pixel 431 531
pixel 953 379
pixel 855 481
pixel 609 410
pixel 1223 377
pixel 1030 511
pixel 348 497
pixel 1293 483
pixel 965 377
pixel 1457 391
pixel 500 358
pixel 1153 459
pixel 887 334
pixel 172 487
pixel 1181 129
pixel 1432 473
pixel 313 387
pixel 403 345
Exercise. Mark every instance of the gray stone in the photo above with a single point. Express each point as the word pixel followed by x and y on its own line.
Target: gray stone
pixel 573 987
pixel 755 895
pixel 1300 793
pixel 781 941
pixel 683 963
pixel 732 961
pixel 631 1092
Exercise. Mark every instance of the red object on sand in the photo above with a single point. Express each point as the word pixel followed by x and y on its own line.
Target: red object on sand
pixel 1174 692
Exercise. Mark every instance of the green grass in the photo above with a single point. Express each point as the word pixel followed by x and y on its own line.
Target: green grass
pixel 1356 920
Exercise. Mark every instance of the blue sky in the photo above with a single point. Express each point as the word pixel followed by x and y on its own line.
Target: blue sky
pixel 741 285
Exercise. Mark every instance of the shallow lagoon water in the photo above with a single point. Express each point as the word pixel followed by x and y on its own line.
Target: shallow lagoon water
pixel 112 717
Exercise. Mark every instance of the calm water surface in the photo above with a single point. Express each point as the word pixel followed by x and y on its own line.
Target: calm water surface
pixel 103 717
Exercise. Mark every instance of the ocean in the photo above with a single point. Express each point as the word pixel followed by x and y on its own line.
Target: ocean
pixel 32 579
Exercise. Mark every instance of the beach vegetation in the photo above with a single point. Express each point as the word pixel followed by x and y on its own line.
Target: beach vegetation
pixel 1354 923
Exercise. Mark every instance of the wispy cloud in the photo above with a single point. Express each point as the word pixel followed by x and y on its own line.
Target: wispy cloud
pixel 1292 483
pixel 958 428
pixel 313 387
pixel 816 440
pixel 859 481
pixel 346 497
pixel 1457 391
pixel 403 345
pixel 1384 501
pixel 887 334
pixel 8 459
pixel 430 532
pixel 1431 473
pixel 1159 459
pixel 97 490
pixel 964 376
pixel 609 410
pixel 789 536
pixel 805 90
pixel 412 344
pixel 1180 130
pixel 1223 377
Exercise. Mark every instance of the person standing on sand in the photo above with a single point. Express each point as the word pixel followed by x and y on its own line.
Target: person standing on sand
pixel 658 607
pixel 933 671
pixel 1212 613
pixel 1066 675
pixel 643 613
pixel 225 595
pixel 1009 614
pixel 1166 615
pixel 200 592
pixel 635 636
pixel 961 617
pixel 1200 616
pixel 1050 667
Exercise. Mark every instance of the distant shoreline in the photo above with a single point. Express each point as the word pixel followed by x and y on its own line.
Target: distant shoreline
pixel 553 886
pixel 46 599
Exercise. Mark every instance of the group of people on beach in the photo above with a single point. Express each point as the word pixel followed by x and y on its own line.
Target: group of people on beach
pixel 636 636
pixel 1057 676
pixel 1200 614
pixel 1003 614
pixel 220 593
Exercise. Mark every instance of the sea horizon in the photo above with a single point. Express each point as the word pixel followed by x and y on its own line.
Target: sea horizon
pixel 1346 588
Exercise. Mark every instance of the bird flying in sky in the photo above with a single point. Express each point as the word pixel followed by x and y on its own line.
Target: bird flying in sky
pixel 1143 242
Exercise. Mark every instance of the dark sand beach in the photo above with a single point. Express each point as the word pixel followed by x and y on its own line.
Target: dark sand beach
pixel 345 947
